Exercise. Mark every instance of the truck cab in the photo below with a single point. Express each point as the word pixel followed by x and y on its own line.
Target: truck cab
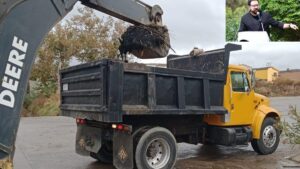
pixel 248 109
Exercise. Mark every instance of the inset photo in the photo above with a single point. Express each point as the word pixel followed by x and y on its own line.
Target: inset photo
pixel 262 20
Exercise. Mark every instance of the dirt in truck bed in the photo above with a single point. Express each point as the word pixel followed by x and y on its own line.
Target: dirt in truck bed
pixel 146 42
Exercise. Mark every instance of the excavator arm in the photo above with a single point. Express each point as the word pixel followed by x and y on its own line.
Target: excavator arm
pixel 23 25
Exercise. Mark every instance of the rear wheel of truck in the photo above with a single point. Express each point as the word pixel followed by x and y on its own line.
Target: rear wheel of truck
pixel 156 149
pixel 104 155
pixel 269 138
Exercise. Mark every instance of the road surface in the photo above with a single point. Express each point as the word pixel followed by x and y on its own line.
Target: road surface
pixel 48 143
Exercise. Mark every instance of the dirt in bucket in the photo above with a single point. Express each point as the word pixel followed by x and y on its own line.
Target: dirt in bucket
pixel 146 42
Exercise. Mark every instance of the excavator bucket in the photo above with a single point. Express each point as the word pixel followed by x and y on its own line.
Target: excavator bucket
pixel 23 25
pixel 147 38
pixel 146 42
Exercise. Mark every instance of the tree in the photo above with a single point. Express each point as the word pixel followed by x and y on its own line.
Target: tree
pixel 287 11
pixel 96 37
pixel 85 37
pixel 55 53
pixel 233 4
pixel 233 18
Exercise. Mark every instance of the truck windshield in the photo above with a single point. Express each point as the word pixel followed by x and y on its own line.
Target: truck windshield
pixel 239 82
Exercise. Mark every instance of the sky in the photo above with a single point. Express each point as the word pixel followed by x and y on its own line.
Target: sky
pixel 201 23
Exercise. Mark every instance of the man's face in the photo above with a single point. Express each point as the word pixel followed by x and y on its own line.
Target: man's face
pixel 254 7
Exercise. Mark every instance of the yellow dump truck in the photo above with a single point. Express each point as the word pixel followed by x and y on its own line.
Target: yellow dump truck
pixel 130 114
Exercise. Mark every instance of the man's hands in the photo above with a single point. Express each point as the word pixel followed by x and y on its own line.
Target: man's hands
pixel 290 26
pixel 293 26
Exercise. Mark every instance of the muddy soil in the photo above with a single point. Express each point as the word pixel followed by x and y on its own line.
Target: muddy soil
pixel 146 42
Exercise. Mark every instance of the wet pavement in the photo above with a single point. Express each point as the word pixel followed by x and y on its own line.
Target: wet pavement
pixel 48 143
pixel 282 105
pixel 219 157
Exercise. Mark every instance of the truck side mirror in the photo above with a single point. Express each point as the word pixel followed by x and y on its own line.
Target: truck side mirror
pixel 247 89
pixel 253 83
pixel 253 78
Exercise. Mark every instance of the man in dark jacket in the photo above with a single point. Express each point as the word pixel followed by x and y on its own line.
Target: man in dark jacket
pixel 256 20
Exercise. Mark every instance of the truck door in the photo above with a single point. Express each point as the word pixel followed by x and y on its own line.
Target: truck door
pixel 242 96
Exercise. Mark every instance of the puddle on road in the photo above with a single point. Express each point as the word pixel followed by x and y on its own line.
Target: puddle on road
pixel 239 157
pixel 220 157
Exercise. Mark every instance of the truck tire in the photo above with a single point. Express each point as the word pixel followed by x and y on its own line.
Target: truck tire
pixel 269 138
pixel 156 149
pixel 104 155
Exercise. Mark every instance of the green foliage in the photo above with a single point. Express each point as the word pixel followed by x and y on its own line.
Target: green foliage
pixel 48 88
pixel 95 37
pixel 29 97
pixel 40 105
pixel 50 106
pixel 233 18
pixel 85 37
pixel 292 130
pixel 42 100
pixel 287 11
pixel 233 4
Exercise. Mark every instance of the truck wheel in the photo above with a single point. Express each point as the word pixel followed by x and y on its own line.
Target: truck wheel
pixel 156 149
pixel 104 155
pixel 269 138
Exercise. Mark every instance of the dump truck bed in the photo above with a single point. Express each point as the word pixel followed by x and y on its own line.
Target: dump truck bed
pixel 106 90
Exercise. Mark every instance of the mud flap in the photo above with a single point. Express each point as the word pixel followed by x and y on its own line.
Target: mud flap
pixel 88 139
pixel 123 150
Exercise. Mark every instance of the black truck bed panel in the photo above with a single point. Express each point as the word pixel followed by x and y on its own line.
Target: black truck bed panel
pixel 106 90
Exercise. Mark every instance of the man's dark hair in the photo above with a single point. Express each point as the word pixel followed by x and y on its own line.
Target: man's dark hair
pixel 249 2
